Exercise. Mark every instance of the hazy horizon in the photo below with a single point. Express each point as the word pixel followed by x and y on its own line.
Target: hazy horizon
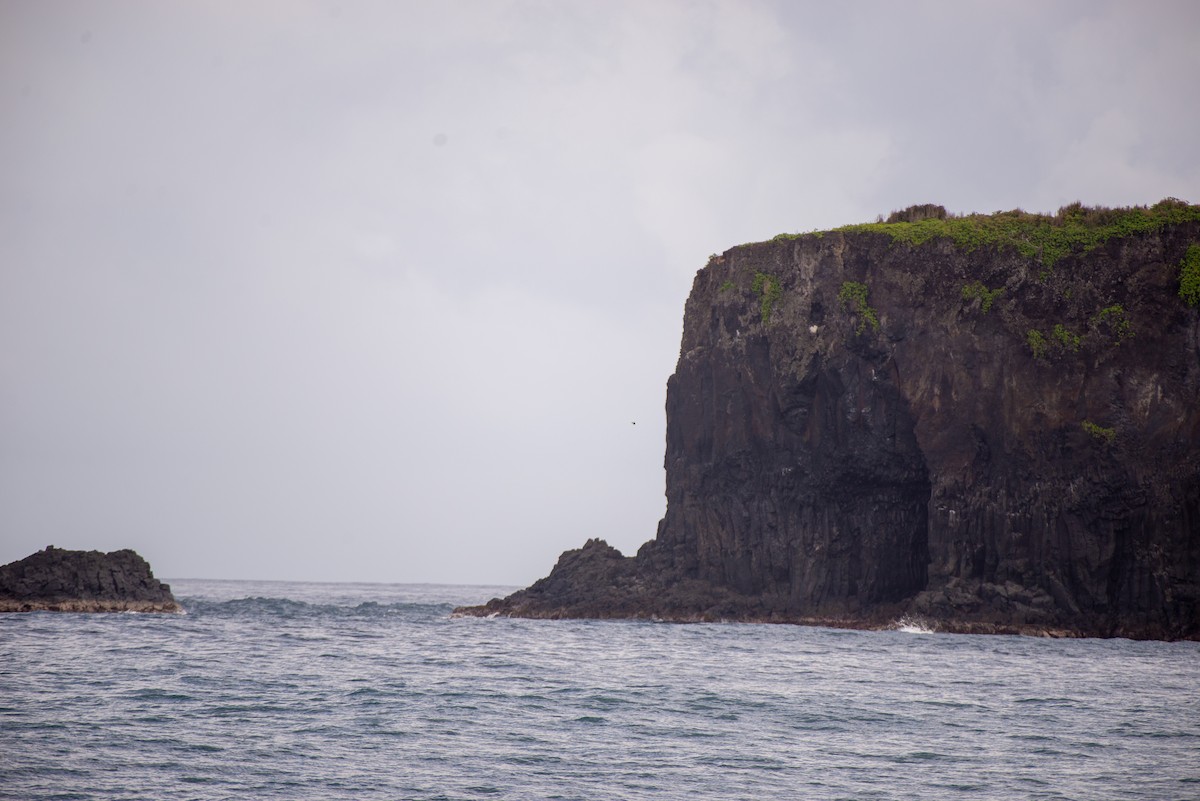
pixel 390 291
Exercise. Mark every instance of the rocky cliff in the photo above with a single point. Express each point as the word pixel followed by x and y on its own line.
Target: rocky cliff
pixel 83 581
pixel 988 422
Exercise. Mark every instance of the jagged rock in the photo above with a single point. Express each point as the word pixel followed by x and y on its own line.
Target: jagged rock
pixel 988 422
pixel 59 580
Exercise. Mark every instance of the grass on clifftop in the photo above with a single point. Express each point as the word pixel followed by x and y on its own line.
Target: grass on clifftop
pixel 1036 236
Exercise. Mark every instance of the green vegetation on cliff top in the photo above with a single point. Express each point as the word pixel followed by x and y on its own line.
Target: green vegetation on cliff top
pixel 1046 237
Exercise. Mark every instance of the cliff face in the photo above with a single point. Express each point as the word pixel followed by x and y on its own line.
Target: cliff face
pixel 83 581
pixel 991 423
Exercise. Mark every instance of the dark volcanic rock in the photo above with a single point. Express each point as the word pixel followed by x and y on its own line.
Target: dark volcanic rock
pixel 991 435
pixel 83 581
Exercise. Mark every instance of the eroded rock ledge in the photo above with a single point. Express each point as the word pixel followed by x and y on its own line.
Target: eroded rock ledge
pixel 986 423
pixel 60 580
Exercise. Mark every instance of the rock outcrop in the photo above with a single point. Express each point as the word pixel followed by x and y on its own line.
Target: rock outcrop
pixel 991 423
pixel 59 580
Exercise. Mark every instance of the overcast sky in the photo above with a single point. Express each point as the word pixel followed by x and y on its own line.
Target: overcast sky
pixel 377 291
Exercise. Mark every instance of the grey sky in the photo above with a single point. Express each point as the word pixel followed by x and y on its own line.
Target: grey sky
pixel 375 291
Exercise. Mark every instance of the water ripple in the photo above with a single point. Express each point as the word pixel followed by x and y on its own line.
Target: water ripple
pixel 375 692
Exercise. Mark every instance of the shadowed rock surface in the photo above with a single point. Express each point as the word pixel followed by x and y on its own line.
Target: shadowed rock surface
pixel 988 423
pixel 59 580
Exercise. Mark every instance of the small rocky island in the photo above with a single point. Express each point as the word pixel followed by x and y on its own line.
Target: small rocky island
pixel 59 580
pixel 990 423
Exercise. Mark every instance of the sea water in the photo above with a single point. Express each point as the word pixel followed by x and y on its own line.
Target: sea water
pixel 331 691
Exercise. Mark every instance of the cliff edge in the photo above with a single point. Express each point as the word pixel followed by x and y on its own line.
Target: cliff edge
pixel 989 422
pixel 59 580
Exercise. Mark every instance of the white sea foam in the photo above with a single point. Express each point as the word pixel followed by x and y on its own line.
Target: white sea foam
pixel 914 625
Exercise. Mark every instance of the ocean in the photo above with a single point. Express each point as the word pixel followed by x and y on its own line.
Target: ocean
pixel 372 691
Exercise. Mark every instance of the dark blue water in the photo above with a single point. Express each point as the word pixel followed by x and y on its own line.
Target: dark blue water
pixel 322 691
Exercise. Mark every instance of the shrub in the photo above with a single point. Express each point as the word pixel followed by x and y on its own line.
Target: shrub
pixel 1099 432
pixel 1168 203
pixel 854 294
pixel 1189 276
pixel 924 211
pixel 768 288
pixel 1065 338
pixel 1115 321
pixel 1037 342
pixel 976 289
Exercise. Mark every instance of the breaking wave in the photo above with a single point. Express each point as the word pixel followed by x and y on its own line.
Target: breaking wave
pixel 914 625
